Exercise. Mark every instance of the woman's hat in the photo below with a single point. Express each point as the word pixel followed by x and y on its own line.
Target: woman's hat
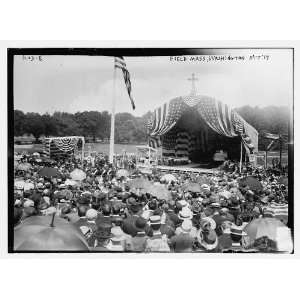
pixel 207 221
pixel 208 239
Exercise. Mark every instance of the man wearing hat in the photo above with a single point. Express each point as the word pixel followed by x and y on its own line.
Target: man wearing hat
pixel 116 242
pixel 225 241
pixel 236 233
pixel 105 215
pixel 81 211
pixel 102 237
pixel 129 222
pixel 183 241
pixel 158 242
pixel 138 242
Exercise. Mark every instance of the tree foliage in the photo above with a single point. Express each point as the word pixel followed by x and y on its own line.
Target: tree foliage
pixel 131 129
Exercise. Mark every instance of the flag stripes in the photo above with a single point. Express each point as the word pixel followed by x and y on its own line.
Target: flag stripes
pixel 217 116
pixel 120 63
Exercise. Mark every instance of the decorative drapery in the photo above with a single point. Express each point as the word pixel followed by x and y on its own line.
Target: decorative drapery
pixel 66 144
pixel 218 116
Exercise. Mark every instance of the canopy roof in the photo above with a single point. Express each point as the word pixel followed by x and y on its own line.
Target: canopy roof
pixel 218 116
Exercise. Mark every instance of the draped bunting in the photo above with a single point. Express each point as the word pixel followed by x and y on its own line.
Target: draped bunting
pixel 180 143
pixel 218 116
pixel 66 144
pixel 57 146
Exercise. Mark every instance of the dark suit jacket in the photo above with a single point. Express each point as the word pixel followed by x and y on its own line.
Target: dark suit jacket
pixel 129 226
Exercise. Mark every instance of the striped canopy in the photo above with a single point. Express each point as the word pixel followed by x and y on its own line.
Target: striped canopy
pixel 218 116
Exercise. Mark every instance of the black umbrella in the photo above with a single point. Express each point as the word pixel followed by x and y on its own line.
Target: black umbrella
pixel 49 172
pixel 252 182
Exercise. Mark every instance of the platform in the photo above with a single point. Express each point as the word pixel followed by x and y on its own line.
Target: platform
pixel 194 168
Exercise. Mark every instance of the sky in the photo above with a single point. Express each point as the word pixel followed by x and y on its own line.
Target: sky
pixel 79 83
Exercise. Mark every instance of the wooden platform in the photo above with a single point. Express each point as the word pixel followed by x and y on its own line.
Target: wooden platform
pixel 187 168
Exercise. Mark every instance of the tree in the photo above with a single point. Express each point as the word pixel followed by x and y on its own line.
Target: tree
pixel 49 125
pixel 19 123
pixel 34 125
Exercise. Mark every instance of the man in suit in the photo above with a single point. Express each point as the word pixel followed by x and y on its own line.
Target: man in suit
pixel 138 243
pixel 129 223
pixel 82 209
pixel 105 216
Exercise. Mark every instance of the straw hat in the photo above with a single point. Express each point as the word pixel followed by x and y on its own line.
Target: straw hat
pixel 185 214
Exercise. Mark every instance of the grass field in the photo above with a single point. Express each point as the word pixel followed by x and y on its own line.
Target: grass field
pixel 119 148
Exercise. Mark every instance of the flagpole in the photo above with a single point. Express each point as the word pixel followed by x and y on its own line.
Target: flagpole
pixel 112 120
pixel 241 157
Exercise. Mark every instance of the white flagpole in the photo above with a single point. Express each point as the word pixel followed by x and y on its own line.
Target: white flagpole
pixel 112 120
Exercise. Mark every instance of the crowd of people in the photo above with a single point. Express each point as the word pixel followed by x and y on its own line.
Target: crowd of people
pixel 199 212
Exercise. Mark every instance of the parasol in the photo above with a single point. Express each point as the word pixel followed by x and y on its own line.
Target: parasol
pixel 252 182
pixel 49 172
pixel 24 167
pixel 122 173
pixel 48 233
pixel 263 227
pixel 168 178
pixel 192 187
pixel 139 183
pixel 78 174
pixel 159 191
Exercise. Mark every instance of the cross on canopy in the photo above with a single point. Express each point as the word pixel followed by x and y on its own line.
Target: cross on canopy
pixel 193 79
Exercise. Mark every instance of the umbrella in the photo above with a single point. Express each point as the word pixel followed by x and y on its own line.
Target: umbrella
pixel 252 182
pixel 122 173
pixel 262 227
pixel 24 167
pixel 48 233
pixel 283 180
pixel 192 187
pixel 168 178
pixel 78 174
pixel 49 172
pixel 139 183
pixel 159 191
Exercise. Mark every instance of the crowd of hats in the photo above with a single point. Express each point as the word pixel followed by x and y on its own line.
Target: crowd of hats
pixel 204 213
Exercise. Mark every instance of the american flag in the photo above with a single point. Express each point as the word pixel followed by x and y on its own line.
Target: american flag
pixel 166 116
pixel 120 63
pixel 154 142
pixel 217 116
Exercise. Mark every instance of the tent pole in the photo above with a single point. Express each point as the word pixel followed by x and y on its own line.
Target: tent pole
pixel 241 156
